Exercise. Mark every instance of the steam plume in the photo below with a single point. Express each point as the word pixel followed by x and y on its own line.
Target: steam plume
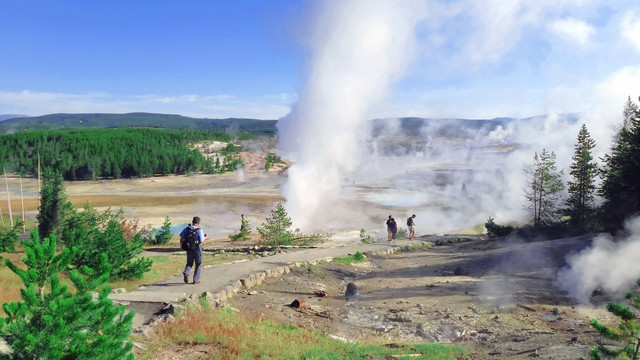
pixel 358 49
pixel 612 266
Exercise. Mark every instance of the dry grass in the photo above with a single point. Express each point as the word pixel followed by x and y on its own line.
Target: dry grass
pixel 223 334
pixel 118 201
pixel 10 283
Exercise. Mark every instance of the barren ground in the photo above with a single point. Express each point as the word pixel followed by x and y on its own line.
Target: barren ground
pixel 493 299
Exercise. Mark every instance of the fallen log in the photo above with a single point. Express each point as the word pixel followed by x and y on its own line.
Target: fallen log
pixel 526 307
pixel 528 351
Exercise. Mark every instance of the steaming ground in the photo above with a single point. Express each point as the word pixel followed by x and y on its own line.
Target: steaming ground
pixel 502 303
pixel 492 298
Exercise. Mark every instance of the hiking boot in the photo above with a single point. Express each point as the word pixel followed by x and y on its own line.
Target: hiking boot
pixel 196 282
pixel 185 278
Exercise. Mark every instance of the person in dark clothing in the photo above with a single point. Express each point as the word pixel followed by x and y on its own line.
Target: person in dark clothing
pixel 392 228
pixel 193 255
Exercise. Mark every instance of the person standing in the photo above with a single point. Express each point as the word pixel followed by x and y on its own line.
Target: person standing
pixel 243 223
pixel 194 254
pixel 411 224
pixel 392 228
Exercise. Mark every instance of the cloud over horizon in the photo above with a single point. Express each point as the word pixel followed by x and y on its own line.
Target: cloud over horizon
pixel 473 60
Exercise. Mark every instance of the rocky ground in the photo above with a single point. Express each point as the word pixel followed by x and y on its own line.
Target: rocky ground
pixel 494 299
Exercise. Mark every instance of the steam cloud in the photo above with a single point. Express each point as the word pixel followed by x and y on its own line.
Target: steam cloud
pixel 611 266
pixel 359 49
pixel 345 173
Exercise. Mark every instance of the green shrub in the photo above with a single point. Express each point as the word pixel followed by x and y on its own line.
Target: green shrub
pixel 161 236
pixel 53 322
pixel 94 233
pixel 275 231
pixel 348 260
pixel 243 234
pixel 495 230
pixel 9 238
pixel 239 236
pixel 365 238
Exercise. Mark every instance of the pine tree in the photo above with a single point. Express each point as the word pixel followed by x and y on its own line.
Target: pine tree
pixel 545 186
pixel 627 332
pixel 53 322
pixel 94 234
pixel 163 235
pixel 54 206
pixel 275 229
pixel 9 238
pixel 583 172
pixel 621 172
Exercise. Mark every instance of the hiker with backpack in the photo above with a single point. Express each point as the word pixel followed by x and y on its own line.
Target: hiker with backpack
pixel 191 239
pixel 411 225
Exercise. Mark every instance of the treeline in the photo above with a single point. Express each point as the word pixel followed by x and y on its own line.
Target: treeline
pixel 554 214
pixel 83 154
pixel 149 120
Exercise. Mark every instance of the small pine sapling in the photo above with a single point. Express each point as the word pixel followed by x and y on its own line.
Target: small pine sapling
pixel 275 230
pixel 53 322
pixel 365 238
pixel 627 333
pixel 163 235
pixel 243 234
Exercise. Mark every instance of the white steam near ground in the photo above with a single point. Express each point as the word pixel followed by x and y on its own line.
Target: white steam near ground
pixel 609 265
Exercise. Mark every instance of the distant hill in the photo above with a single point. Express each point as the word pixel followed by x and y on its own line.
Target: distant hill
pixel 70 121
pixel 445 127
pixel 454 127
pixel 4 117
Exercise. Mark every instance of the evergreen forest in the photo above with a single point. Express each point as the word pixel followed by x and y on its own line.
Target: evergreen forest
pixel 83 154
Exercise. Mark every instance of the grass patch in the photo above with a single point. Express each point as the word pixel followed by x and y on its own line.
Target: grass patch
pixel 228 336
pixel 348 260
pixel 315 269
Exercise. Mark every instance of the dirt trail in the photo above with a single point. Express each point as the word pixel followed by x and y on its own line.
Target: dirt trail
pixel 496 300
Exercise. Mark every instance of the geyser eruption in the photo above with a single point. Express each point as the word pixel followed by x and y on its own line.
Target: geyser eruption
pixel 612 266
pixel 358 49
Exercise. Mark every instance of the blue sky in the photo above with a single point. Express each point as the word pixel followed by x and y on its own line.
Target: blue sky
pixel 217 59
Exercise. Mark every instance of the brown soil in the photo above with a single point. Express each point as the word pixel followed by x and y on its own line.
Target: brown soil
pixel 495 300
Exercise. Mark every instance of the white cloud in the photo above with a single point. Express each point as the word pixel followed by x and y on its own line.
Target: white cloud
pixel 573 30
pixel 630 28
pixel 619 85
pixel 35 103
pixel 493 28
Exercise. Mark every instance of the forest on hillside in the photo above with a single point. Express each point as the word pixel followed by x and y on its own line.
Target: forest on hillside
pixel 83 154
pixel 149 120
